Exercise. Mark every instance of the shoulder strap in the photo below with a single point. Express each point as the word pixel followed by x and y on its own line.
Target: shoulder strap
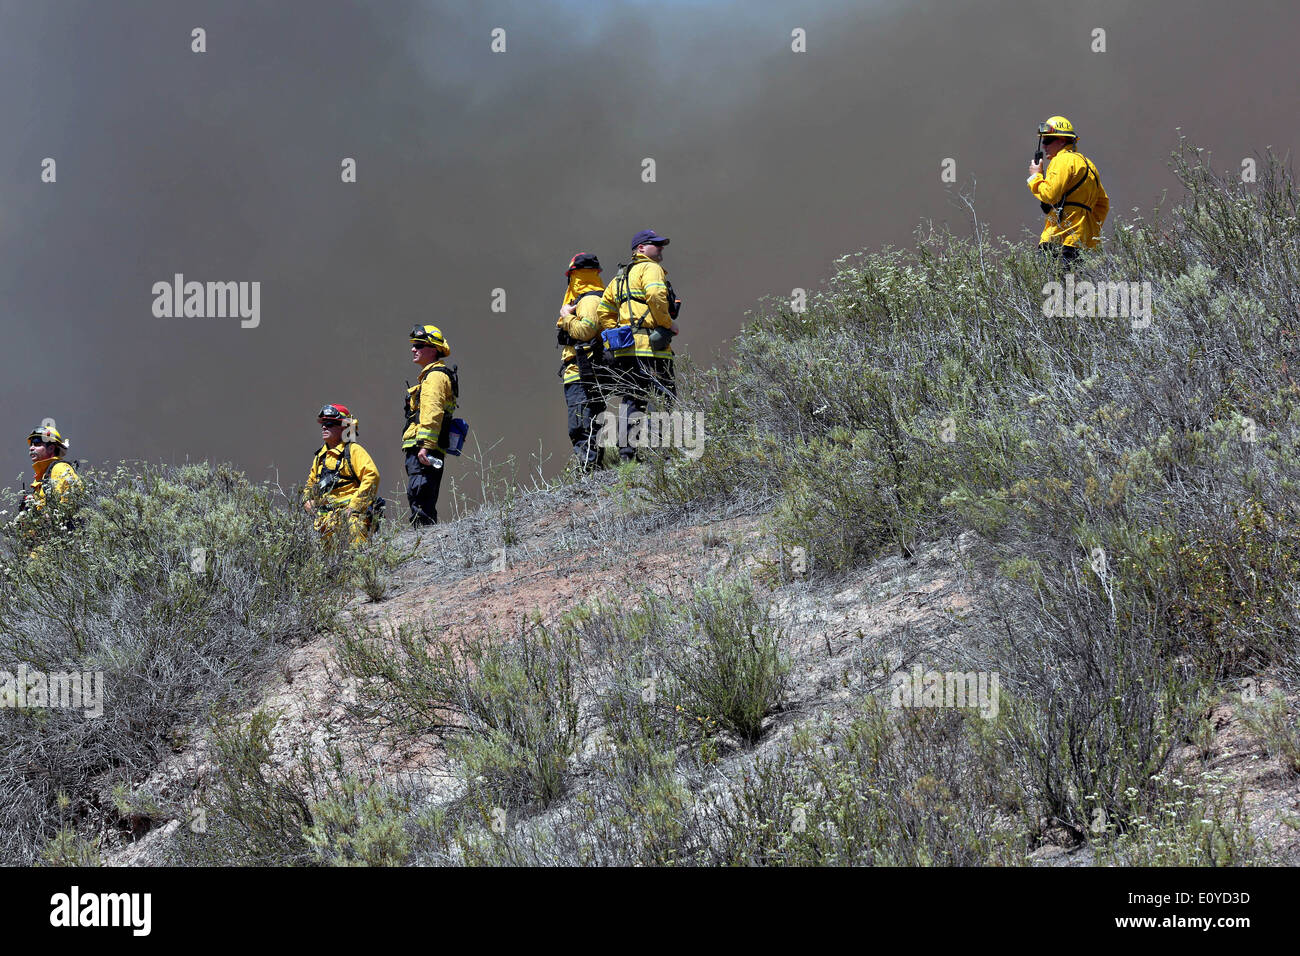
pixel 1063 202
pixel 625 276
pixel 409 397
pixel 451 371
pixel 47 479
pixel 344 459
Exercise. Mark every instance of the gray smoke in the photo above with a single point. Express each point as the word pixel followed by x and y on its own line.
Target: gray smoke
pixel 481 170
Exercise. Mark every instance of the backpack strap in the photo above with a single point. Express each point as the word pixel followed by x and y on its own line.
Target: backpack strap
pixel 1063 202
pixel 345 459
pixel 47 479
pixel 412 407
pixel 451 371
pixel 625 277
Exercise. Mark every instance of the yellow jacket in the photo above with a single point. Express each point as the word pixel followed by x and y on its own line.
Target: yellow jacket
pixel 643 302
pixel 358 478
pixel 63 482
pixel 583 325
pixel 348 501
pixel 62 478
pixel 431 403
pixel 1087 206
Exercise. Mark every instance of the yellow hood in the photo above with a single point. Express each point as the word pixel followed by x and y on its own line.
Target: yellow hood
pixel 580 282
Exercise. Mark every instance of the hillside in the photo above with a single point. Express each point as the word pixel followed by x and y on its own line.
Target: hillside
pixel 583 783
pixel 932 472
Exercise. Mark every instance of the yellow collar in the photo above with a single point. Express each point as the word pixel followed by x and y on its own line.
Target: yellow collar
pixel 44 465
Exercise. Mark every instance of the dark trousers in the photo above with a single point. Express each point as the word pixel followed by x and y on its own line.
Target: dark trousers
pixel 640 380
pixel 1056 250
pixel 422 484
pixel 582 399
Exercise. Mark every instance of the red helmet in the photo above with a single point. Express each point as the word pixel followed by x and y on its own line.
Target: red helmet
pixel 333 414
pixel 583 260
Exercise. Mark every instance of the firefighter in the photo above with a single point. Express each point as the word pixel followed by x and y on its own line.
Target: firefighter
pixel 343 484
pixel 1070 193
pixel 578 329
pixel 429 404
pixel 641 301
pixel 55 479
pixel 48 508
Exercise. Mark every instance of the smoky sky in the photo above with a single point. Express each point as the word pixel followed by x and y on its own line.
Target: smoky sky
pixel 479 171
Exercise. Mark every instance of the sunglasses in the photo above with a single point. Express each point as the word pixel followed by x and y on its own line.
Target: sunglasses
pixel 1049 140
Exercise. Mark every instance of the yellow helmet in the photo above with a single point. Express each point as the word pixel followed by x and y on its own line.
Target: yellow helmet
pixel 430 335
pixel 49 435
pixel 1057 126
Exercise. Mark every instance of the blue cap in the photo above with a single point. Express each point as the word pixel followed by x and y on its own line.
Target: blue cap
pixel 648 235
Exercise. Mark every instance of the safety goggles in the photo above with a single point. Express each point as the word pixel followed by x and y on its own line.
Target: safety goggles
pixel 329 415
pixel 420 337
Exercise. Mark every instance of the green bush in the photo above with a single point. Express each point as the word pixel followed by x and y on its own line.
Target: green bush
pixel 510 704
pixel 253 813
pixel 306 810
pixel 179 585
pixel 363 824
pixel 920 788
pixel 727 667
pixel 1188 823
pixel 1272 721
